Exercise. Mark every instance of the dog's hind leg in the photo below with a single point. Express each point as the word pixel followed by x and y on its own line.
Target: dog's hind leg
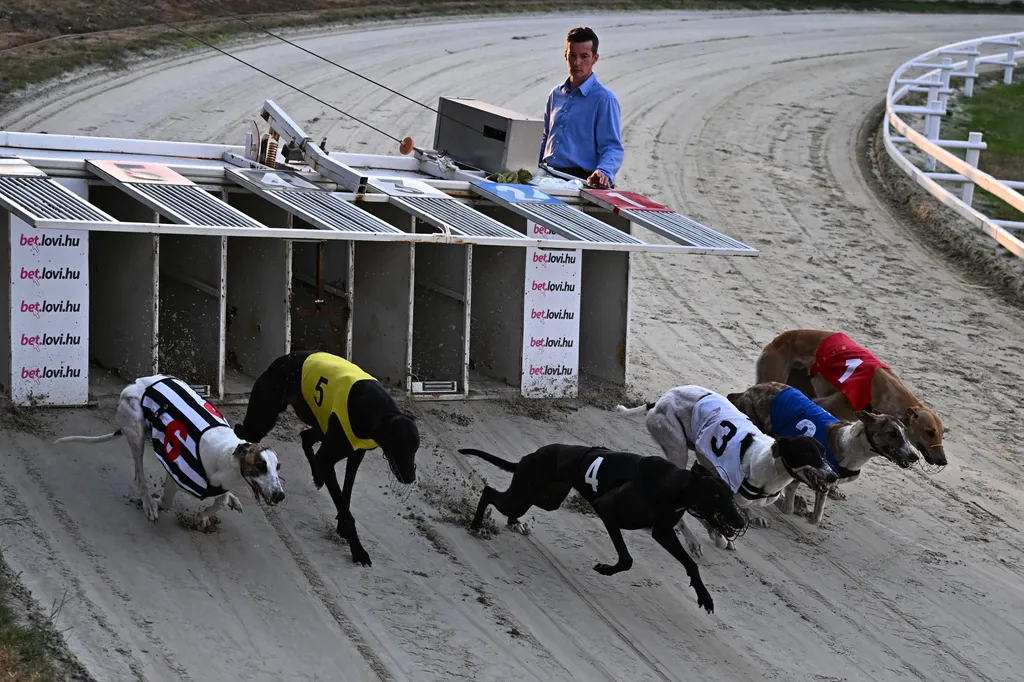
pixel 625 561
pixel 772 365
pixel 170 490
pixel 668 434
pixel 267 400
pixel 665 536
pixel 692 545
pixel 311 437
pixel 131 420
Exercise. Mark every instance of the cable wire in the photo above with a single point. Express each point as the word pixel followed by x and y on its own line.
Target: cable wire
pixel 224 12
pixel 132 6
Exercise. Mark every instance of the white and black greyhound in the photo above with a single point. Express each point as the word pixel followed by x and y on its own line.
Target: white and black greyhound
pixel 756 466
pixel 194 443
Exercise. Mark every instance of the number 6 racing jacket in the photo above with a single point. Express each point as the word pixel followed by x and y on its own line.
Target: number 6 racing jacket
pixel 177 418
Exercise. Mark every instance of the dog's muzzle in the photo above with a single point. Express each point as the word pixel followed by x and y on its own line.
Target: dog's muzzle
pixel 721 524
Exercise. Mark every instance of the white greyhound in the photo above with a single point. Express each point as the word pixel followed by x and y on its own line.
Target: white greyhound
pixel 195 444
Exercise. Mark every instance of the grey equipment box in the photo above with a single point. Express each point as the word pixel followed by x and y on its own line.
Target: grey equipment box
pixel 496 139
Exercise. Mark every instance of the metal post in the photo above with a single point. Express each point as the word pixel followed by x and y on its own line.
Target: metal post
pixel 931 121
pixel 947 69
pixel 1011 58
pixel 971 158
pixel 969 83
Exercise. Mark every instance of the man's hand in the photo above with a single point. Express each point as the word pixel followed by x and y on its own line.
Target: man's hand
pixel 598 179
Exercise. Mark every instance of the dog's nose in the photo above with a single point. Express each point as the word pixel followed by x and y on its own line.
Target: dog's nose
pixel 278 496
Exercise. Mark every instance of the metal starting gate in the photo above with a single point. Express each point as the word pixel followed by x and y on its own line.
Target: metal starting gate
pixel 132 257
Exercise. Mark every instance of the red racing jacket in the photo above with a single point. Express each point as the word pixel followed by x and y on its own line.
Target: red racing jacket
pixel 847 366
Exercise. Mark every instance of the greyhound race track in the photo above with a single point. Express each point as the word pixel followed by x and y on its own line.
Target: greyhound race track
pixel 751 129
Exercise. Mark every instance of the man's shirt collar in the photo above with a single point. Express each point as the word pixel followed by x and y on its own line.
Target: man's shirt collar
pixel 584 88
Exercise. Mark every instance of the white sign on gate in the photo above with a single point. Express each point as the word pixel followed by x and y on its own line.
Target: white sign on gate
pixel 49 315
pixel 551 319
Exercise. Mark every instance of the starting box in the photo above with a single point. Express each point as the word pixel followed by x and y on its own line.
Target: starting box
pixel 131 257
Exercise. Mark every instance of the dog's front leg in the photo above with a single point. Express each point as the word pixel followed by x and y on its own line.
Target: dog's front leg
pixel 787 502
pixel 227 500
pixel 342 499
pixel 625 561
pixel 819 507
pixel 667 538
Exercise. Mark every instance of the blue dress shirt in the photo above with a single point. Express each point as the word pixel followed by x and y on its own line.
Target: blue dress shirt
pixel 582 128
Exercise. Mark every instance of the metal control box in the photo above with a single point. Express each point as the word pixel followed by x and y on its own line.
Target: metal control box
pixel 487 137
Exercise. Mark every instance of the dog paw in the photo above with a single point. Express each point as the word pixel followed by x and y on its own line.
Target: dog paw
pixel 607 569
pixel 704 599
pixel 799 506
pixel 836 494
pixel 150 507
pixel 721 542
pixel 360 556
pixel 207 522
pixel 519 527
pixel 234 503
pixel 759 522
pixel 809 516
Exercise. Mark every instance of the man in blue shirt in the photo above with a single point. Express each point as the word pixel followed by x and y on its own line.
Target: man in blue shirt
pixel 582 133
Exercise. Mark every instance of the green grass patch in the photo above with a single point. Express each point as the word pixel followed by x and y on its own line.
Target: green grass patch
pixel 997 111
pixel 25 649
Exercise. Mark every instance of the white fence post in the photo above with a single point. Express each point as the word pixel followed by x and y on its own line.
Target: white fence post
pixel 931 122
pixel 969 82
pixel 1011 58
pixel 935 150
pixel 971 158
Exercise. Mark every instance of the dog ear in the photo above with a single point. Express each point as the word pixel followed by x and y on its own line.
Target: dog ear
pixel 733 397
pixel 867 417
pixel 911 413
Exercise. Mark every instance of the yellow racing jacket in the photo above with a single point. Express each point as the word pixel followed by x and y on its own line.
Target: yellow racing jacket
pixel 326 382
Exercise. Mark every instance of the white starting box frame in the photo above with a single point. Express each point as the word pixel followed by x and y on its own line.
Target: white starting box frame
pixel 130 257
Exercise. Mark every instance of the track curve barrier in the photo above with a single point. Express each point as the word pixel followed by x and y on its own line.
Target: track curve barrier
pixel 934 73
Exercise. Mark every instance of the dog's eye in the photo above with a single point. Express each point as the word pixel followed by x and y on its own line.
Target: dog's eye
pixel 931 433
pixel 278 466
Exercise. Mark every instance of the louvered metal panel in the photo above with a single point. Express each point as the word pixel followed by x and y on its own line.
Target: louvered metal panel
pixel 42 198
pixel 459 218
pixel 552 213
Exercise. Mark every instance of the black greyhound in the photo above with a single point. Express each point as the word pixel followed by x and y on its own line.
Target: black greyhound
pixel 628 491
pixel 346 409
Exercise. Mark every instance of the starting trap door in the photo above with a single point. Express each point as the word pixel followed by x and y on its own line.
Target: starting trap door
pixel 662 220
pixel 442 282
pixel 554 315
pixel 44 324
pixel 329 277
pixel 190 292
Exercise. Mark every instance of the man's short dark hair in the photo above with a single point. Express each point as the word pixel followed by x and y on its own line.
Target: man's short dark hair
pixel 582 34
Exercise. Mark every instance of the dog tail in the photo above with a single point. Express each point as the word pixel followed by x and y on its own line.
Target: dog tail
pixel 89 439
pixel 493 459
pixel 639 409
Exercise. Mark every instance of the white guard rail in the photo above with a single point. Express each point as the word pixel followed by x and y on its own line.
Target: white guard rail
pixel 935 71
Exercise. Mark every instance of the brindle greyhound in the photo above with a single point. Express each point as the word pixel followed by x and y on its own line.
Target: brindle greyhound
pixel 829 367
pixel 781 410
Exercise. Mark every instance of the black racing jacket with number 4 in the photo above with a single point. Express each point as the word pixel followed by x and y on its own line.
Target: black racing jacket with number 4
pixel 601 471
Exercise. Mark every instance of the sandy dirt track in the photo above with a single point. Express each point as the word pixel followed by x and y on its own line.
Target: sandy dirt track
pixel 751 128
